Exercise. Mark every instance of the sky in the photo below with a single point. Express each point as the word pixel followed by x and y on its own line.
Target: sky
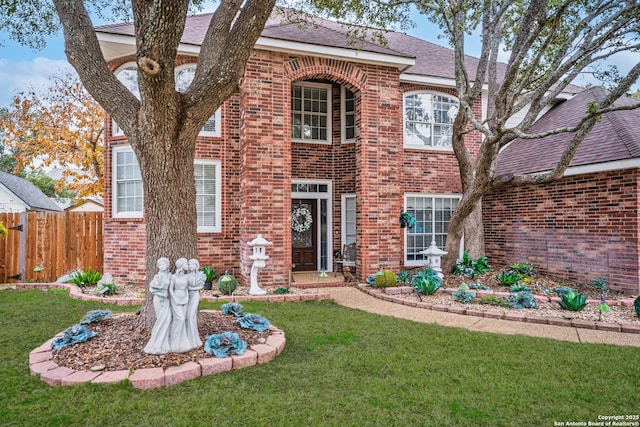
pixel 22 68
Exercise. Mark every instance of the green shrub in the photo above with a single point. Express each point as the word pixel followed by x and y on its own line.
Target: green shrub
pixel 507 278
pixel 573 301
pixel 523 269
pixel 636 306
pixel 209 274
pixel 523 299
pixel 106 289
pixel 386 280
pixel 492 300
pixel 282 291
pixel 519 288
pixel 85 278
pixel 600 283
pixel 227 284
pixel 471 267
pixel 427 281
pixel 464 296
pixel 403 276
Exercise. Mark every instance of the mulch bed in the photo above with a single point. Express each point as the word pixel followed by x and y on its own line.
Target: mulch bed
pixel 119 346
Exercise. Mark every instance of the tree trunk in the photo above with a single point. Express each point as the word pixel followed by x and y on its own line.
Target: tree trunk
pixel 466 222
pixel 169 209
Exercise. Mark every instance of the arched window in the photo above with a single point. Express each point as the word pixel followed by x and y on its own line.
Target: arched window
pixel 428 119
pixel 127 74
pixel 184 77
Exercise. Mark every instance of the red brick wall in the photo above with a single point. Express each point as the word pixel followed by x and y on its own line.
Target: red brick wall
pixel 580 228
pixel 259 161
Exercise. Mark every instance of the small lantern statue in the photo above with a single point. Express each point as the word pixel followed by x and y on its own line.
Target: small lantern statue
pixel 259 257
pixel 434 256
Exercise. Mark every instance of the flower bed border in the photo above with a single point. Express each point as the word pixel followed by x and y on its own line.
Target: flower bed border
pixel 41 358
pixel 391 295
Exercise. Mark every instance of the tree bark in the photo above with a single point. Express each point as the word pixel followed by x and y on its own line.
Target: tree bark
pixel 163 125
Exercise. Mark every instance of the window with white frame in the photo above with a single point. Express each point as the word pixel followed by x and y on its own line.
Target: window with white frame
pixel 184 77
pixel 208 189
pixel 432 214
pixel 428 119
pixel 348 222
pixel 128 76
pixel 128 195
pixel 311 112
pixel 127 184
pixel 348 115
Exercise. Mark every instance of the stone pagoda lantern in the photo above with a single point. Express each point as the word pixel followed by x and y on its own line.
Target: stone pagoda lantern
pixel 259 245
pixel 434 257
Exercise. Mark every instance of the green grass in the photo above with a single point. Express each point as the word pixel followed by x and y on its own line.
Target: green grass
pixel 340 367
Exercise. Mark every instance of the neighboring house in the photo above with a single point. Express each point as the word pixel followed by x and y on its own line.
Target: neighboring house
pixel 89 204
pixel 586 225
pixel 341 136
pixel 19 195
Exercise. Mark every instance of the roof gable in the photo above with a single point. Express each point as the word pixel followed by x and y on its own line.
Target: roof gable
pixel 615 137
pixel 29 194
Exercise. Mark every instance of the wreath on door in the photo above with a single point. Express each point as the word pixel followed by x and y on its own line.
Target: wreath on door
pixel 301 219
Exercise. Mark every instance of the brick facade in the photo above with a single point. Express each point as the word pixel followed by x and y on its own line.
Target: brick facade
pixel 580 228
pixel 259 162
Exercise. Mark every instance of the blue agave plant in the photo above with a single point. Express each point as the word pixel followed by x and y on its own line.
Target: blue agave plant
pixel 95 316
pixel 72 335
pixel 232 308
pixel 254 321
pixel 224 345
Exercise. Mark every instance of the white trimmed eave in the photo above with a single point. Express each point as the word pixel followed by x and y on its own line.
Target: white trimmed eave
pixel 615 165
pixel 117 45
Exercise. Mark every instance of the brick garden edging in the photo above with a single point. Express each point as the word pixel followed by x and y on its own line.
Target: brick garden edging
pixel 41 363
pixel 41 358
pixel 76 293
pixel 391 295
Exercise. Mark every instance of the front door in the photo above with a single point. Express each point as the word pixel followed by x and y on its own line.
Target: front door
pixel 304 235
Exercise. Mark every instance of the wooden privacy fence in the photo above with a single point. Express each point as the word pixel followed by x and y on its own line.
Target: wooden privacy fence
pixel 42 246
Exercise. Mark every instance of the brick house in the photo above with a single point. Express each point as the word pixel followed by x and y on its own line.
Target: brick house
pixel 586 225
pixel 342 137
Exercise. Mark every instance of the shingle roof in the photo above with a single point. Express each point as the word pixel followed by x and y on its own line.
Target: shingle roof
pixel 615 137
pixel 430 59
pixel 35 199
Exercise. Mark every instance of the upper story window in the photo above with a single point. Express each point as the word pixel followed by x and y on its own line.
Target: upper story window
pixel 348 115
pixel 311 112
pixel 428 120
pixel 128 75
pixel 184 77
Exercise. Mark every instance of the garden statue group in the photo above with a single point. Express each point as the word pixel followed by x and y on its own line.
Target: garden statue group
pixel 175 301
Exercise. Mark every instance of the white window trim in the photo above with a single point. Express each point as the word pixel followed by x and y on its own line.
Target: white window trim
pixel 404 120
pixel 343 225
pixel 116 130
pixel 216 116
pixel 218 196
pixel 114 186
pixel 343 117
pixel 327 86
pixel 420 263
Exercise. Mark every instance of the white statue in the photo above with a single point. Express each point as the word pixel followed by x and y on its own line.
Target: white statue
pixel 159 287
pixel 179 295
pixel 196 279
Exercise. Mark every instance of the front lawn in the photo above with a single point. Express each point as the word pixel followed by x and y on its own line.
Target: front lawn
pixel 339 367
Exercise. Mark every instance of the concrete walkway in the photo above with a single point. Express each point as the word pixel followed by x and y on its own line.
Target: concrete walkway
pixel 354 298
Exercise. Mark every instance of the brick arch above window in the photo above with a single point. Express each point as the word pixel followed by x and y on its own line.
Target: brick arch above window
pixel 344 73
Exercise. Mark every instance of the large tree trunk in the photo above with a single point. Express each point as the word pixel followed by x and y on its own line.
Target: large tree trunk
pixel 169 208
